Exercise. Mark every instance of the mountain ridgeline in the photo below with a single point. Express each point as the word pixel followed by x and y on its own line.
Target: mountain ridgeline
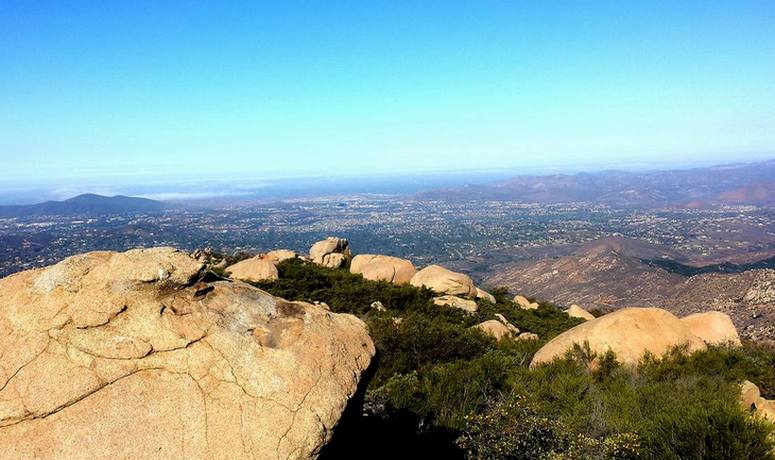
pixel 86 205
pixel 732 184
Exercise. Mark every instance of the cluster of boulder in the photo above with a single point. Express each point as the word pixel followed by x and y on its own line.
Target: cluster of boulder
pixel 139 346
pixel 135 355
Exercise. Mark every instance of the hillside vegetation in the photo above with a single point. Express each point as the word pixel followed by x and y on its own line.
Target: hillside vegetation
pixel 441 388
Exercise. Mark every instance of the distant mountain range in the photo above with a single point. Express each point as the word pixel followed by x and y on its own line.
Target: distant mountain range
pixel 752 183
pixel 86 205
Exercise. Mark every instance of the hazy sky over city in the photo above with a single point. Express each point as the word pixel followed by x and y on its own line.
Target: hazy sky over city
pixel 129 88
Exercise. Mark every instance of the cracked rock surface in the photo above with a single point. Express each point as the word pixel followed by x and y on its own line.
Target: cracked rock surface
pixel 132 355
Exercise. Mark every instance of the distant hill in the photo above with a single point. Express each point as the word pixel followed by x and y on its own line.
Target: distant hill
pixel 730 184
pixel 86 204
pixel 615 273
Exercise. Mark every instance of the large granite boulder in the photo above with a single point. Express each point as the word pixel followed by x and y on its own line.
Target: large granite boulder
pixel 332 252
pixel 134 355
pixel 253 269
pixel 629 332
pixel 713 327
pixel 383 268
pixel 443 281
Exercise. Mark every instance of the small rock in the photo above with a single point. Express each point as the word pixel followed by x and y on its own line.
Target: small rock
pixel 466 305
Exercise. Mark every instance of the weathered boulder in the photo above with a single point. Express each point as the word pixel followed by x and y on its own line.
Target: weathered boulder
pixel 523 303
pixel 577 312
pixel 383 268
pixel 278 255
pixel 482 294
pixel 132 355
pixel 443 281
pixel 332 252
pixel 253 269
pixel 456 302
pixel 495 329
pixel 714 327
pixel 629 332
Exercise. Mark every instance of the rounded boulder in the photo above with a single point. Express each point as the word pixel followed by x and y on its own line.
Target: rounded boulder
pixel 444 281
pixel 714 327
pixel 383 268
pixel 629 333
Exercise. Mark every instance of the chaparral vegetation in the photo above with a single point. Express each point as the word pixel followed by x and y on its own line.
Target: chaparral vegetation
pixel 441 387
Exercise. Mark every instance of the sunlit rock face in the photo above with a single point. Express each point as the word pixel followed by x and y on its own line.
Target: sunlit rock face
pixel 136 355
pixel 444 281
pixel 383 268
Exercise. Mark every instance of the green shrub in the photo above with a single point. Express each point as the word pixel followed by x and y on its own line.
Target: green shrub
pixel 511 429
pixel 433 366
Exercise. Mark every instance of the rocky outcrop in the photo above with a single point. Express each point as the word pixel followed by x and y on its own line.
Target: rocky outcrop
pixel 577 312
pixel 482 294
pixel 466 305
pixel 332 252
pixel 443 281
pixel 253 269
pixel 713 327
pixel 134 355
pixel 383 268
pixel 279 255
pixel 525 304
pixel 629 332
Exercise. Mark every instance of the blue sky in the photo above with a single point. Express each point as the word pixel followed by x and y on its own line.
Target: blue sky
pixel 134 88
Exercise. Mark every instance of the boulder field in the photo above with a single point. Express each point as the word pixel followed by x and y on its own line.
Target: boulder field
pixel 136 355
pixel 631 332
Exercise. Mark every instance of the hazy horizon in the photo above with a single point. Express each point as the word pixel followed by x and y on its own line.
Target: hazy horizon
pixel 253 188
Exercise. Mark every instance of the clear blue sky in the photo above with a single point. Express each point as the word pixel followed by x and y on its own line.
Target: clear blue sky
pixel 181 87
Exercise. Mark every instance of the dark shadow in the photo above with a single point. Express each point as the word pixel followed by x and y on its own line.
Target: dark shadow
pixel 399 434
